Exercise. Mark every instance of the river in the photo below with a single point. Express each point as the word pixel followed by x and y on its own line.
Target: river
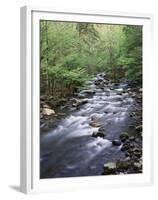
pixel 70 150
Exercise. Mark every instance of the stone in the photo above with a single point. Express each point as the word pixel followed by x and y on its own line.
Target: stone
pixel 125 147
pixel 122 165
pixel 109 168
pixel 102 129
pixel 98 134
pixel 43 97
pixel 46 106
pixel 137 165
pixel 89 92
pixel 135 149
pixel 116 142
pixel 81 96
pixel 95 124
pixel 139 128
pixel 124 136
pixel 119 90
pixel 61 114
pixel 138 140
pixel 80 102
pixel 132 138
pixel 48 111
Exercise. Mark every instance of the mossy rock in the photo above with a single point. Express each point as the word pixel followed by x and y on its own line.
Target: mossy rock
pixel 109 168
pixel 124 136
pixel 122 165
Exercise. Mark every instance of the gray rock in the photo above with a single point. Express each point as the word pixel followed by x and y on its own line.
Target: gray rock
pixel 137 165
pixel 98 134
pixel 87 92
pixel 132 138
pixel 139 128
pixel 45 106
pixel 119 90
pixel 125 147
pixel 116 142
pixel 48 111
pixel 101 129
pixel 80 102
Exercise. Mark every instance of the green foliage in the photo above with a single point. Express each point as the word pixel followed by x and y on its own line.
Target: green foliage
pixel 131 53
pixel 71 53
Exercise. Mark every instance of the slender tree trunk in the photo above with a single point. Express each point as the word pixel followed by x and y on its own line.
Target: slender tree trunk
pixel 47 60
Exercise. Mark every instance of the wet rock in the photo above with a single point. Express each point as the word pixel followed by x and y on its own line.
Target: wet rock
pixel 48 111
pixel 119 90
pixel 98 134
pixel 119 93
pixel 94 117
pixel 79 102
pixel 109 168
pixel 132 138
pixel 138 140
pixel 125 147
pixel 139 128
pixel 137 165
pixel 127 154
pixel 61 114
pixel 88 92
pixel 81 96
pixel 102 129
pixel 124 136
pixel 116 142
pixel 98 81
pixel 136 150
pixel 132 114
pixel 95 124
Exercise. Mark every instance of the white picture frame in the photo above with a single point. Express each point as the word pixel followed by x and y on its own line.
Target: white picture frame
pixel 30 178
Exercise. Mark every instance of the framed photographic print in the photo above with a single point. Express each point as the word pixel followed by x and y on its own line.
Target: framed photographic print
pixel 85 99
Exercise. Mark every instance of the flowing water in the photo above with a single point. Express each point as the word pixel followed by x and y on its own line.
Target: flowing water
pixel 70 150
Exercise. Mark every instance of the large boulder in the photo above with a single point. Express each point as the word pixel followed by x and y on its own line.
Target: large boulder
pixel 48 111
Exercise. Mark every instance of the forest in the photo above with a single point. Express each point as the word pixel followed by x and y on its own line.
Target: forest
pixel 72 53
pixel 90 99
